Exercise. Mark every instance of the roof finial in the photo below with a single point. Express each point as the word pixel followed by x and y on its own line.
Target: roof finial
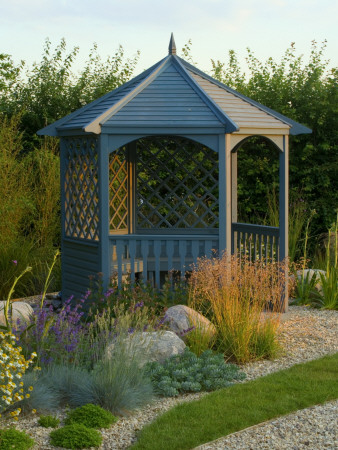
pixel 172 45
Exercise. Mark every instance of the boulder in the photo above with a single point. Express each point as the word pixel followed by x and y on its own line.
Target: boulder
pixel 20 310
pixel 181 318
pixel 149 346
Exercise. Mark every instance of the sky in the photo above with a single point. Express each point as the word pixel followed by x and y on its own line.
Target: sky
pixel 267 27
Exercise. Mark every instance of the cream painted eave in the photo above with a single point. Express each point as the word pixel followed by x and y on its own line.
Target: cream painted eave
pixel 263 131
pixel 277 139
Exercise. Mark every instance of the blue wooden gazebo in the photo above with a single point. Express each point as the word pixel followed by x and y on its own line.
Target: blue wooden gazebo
pixel 149 176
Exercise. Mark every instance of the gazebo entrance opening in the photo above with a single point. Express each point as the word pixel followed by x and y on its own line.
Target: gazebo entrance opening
pixel 163 206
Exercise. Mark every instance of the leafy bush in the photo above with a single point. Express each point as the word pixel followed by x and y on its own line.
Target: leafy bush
pixel 48 421
pixel 12 438
pixel 75 436
pixel 190 373
pixel 92 416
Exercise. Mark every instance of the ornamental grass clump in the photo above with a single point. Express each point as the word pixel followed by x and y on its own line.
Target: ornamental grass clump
pixel 242 299
pixel 13 365
pixel 190 373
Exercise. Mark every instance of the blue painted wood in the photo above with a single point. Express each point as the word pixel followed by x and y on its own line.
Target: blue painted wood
pixel 222 193
pixel 195 250
pixel 132 254
pixel 99 106
pixel 80 260
pixel 172 100
pixel 170 253
pixel 144 256
pixel 157 253
pixel 182 245
pixel 256 241
pixel 296 128
pixel 120 250
pixel 152 255
pixel 103 172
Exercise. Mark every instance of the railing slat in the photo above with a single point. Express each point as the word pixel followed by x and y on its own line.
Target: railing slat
pixel 157 253
pixel 195 249
pixel 119 251
pixel 144 251
pixel 170 254
pixel 182 248
pixel 132 253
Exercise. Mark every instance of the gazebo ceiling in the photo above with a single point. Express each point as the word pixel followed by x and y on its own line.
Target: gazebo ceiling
pixel 174 94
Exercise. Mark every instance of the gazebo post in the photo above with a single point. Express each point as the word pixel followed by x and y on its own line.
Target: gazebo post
pixel 284 211
pixel 103 174
pixel 224 158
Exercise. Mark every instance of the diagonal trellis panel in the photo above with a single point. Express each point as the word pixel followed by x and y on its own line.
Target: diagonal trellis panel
pixel 118 190
pixel 177 184
pixel 81 189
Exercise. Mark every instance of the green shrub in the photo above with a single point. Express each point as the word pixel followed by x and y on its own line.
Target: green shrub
pixel 12 438
pixel 48 421
pixel 75 436
pixel 190 373
pixel 92 416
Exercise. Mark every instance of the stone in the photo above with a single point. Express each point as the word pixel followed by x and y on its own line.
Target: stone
pixel 181 318
pixel 312 273
pixel 20 310
pixel 150 346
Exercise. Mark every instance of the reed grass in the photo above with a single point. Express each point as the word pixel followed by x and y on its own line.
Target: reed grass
pixel 243 300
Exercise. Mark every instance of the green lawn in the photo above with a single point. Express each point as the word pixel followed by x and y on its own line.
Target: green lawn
pixel 242 405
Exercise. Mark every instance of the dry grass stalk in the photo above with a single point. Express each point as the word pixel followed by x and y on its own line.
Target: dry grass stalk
pixel 236 294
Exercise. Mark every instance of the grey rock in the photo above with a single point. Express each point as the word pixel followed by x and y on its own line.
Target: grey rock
pixel 312 273
pixel 20 310
pixel 149 346
pixel 180 318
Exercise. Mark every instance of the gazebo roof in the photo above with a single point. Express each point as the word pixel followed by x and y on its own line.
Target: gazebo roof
pixel 173 94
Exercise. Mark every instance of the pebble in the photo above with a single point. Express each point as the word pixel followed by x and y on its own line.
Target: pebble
pixel 305 334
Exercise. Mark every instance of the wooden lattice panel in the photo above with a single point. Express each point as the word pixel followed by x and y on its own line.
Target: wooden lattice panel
pixel 118 190
pixel 81 188
pixel 177 182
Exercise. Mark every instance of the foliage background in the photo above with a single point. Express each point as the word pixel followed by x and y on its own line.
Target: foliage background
pixel 31 98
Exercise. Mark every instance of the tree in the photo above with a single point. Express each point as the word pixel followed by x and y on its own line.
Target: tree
pixel 51 89
pixel 307 93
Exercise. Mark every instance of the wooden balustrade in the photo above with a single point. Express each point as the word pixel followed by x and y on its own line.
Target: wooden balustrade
pixel 255 241
pixel 153 256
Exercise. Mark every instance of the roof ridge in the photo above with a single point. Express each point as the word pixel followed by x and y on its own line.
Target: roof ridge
pixel 232 91
pixel 215 108
pixel 266 109
pixel 58 123
pixel 96 123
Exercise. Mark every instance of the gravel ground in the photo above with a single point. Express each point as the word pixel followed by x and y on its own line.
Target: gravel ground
pixel 306 334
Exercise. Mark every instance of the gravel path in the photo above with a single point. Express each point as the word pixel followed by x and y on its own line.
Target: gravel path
pixel 306 334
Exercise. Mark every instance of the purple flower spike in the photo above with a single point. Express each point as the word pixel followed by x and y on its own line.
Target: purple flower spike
pixel 14 261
